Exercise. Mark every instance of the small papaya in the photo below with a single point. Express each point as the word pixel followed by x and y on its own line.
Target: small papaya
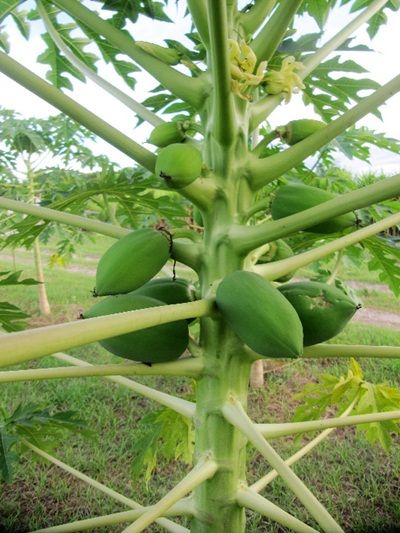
pixel 179 164
pixel 278 250
pixel 260 315
pixel 170 291
pixel 170 56
pixel 296 197
pixel 323 310
pixel 131 261
pixel 298 130
pixel 168 133
pixel 156 344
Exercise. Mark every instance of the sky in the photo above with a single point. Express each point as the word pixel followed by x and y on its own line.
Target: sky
pixel 381 64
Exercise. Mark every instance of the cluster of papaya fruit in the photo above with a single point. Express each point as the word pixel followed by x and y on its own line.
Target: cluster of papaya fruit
pixel 279 322
pixel 124 276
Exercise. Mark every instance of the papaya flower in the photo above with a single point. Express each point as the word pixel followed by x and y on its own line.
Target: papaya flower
pixel 242 64
pixel 284 80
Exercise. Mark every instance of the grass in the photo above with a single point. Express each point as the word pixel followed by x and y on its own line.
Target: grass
pixel 357 482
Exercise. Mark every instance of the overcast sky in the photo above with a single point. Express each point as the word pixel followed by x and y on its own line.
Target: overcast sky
pixel 382 65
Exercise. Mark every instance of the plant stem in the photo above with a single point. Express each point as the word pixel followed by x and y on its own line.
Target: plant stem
pixel 336 268
pixel 44 305
pixel 250 499
pixel 268 478
pixel 130 102
pixel 198 11
pixel 263 171
pixel 191 90
pixel 204 470
pixel 252 19
pixel 272 431
pixel 247 238
pixel 170 526
pixel 67 105
pixel 280 268
pixel 264 107
pixel 27 345
pixel 223 113
pixel 257 150
pixel 271 35
pixel 235 414
pixel 320 351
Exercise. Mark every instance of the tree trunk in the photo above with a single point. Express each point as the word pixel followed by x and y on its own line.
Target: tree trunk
pixel 44 305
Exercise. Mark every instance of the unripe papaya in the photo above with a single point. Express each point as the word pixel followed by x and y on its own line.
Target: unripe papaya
pixel 179 164
pixel 156 344
pixel 323 310
pixel 278 250
pixel 296 197
pixel 259 315
pixel 131 261
pixel 168 133
pixel 170 56
pixel 170 291
pixel 297 130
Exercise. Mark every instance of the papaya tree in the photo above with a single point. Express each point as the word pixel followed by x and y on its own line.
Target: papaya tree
pixel 221 154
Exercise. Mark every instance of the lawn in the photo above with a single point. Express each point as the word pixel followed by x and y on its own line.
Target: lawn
pixel 357 482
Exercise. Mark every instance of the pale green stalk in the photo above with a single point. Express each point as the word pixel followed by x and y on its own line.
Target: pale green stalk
pixel 191 90
pixel 252 19
pixel 320 351
pixel 236 415
pixel 198 11
pixel 271 35
pixel 263 171
pixel 130 102
pixel 223 112
pixel 251 500
pixel 181 367
pixel 264 107
pixel 258 149
pixel 183 252
pixel 268 478
pixel 272 431
pixel 27 345
pixel 280 268
pixel 183 407
pixel 170 526
pixel 67 105
pixel 247 238
pixel 205 468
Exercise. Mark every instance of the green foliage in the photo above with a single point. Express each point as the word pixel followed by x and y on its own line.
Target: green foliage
pixel 12 318
pixel 162 435
pixel 36 425
pixel 340 391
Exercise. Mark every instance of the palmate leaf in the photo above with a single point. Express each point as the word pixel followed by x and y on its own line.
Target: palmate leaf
pixel 129 10
pixel 385 260
pixel 12 278
pixel 7 6
pixel 38 426
pixel 11 317
pixel 166 435
pixel 7 455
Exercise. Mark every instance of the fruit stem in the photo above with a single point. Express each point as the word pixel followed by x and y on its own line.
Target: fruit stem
pixel 198 11
pixel 252 19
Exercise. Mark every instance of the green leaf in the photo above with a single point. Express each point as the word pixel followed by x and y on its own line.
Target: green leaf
pixel 12 278
pixel 7 456
pixel 385 261
pixel 21 22
pixel 6 6
pixel 11 317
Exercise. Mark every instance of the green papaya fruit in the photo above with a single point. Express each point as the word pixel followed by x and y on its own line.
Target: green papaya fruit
pixel 179 164
pixel 259 315
pixel 156 344
pixel 132 261
pixel 168 133
pixel 278 250
pixel 297 130
pixel 323 310
pixel 170 56
pixel 170 291
pixel 296 197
